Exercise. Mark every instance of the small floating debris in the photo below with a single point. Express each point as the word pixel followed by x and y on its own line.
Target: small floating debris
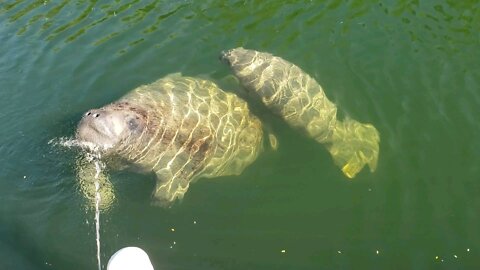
pixel 284 251
pixel 456 257
pixel 339 251
pixel 172 229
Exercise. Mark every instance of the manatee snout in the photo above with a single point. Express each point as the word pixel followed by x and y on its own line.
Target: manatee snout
pixel 95 113
pixel 107 126
pixel 95 129
pixel 237 56
pixel 225 57
pixel 95 119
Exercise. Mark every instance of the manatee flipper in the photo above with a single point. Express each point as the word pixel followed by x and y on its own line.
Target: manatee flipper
pixel 87 176
pixel 292 94
pixel 169 187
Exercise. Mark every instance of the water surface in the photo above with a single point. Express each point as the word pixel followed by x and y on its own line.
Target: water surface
pixel 409 67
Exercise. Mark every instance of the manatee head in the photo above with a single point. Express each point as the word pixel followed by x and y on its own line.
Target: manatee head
pixel 109 126
pixel 230 57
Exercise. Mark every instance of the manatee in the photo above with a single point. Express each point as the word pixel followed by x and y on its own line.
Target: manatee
pixel 292 94
pixel 181 128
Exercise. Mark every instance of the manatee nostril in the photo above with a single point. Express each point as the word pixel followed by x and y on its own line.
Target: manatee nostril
pixel 88 113
pixel 96 115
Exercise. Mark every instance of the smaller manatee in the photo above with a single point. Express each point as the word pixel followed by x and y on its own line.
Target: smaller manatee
pixel 292 94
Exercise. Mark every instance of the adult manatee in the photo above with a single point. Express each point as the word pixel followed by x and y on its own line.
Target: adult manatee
pixel 181 128
pixel 295 96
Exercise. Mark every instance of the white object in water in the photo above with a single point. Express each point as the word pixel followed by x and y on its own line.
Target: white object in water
pixel 130 258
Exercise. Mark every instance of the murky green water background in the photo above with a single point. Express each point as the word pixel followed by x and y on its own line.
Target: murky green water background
pixel 409 67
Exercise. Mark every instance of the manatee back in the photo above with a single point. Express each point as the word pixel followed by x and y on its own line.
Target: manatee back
pixel 194 129
pixel 285 89
pixel 237 132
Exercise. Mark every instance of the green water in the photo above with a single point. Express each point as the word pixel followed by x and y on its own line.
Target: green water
pixel 409 67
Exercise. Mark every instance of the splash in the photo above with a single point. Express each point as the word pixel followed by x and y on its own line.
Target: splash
pixel 93 150
pixel 90 157
pixel 87 173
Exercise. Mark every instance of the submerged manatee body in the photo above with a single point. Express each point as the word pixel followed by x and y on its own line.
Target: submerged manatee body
pixel 181 128
pixel 292 94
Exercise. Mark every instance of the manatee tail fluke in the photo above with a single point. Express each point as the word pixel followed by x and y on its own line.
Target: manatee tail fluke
pixel 354 145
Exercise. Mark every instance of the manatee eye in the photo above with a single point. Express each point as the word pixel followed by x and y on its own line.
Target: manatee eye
pixel 132 124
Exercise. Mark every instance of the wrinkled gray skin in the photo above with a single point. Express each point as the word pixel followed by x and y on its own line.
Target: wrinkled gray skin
pixel 180 128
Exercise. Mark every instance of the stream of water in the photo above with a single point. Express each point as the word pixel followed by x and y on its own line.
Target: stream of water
pixel 98 168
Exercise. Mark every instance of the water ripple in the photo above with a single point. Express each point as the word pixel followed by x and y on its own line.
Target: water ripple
pixel 409 67
pixel 56 18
